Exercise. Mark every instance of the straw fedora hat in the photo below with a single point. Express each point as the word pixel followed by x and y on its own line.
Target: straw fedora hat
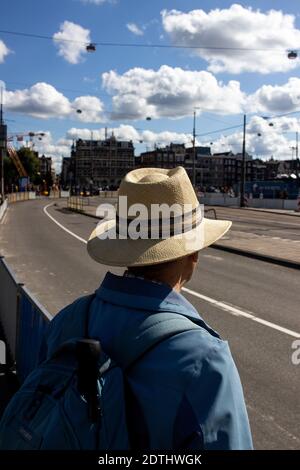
pixel 160 238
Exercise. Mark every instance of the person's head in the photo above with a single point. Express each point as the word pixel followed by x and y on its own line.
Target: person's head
pixel 175 273
pixel 158 223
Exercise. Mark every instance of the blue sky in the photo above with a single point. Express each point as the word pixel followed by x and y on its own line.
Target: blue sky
pixel 46 81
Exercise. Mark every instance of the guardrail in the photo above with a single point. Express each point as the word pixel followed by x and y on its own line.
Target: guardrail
pixel 32 321
pixel 23 320
pixel 76 203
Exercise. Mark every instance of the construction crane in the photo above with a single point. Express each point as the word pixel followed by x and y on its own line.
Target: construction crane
pixel 13 153
pixel 17 162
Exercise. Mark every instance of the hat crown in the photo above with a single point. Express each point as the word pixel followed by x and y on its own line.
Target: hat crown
pixel 158 186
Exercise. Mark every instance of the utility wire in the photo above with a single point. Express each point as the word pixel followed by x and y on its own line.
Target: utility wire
pixel 149 46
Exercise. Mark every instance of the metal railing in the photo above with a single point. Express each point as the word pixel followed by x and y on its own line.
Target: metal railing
pixel 32 321
pixel 23 320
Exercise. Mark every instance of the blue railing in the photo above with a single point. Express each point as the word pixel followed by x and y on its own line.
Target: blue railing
pixel 23 320
pixel 32 322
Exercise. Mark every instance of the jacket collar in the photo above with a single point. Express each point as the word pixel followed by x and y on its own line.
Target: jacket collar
pixel 141 294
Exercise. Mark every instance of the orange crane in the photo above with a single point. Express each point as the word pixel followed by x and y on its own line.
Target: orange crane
pixel 13 153
pixel 17 162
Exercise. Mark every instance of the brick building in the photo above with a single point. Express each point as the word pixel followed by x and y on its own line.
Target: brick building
pixel 99 163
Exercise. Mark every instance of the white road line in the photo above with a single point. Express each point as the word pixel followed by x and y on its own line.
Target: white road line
pixel 240 313
pixel 217 258
pixel 236 311
pixel 61 226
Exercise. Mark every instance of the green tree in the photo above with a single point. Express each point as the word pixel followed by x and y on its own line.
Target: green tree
pixel 11 176
pixel 30 161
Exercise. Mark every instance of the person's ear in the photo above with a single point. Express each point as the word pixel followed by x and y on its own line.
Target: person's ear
pixel 194 257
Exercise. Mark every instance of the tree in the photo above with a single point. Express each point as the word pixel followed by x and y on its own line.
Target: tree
pixel 30 161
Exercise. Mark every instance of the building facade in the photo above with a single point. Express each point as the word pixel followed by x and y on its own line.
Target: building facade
pixel 45 166
pixel 98 163
pixel 220 170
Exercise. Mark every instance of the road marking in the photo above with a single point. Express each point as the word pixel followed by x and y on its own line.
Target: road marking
pixel 217 258
pixel 236 311
pixel 240 313
pixel 61 226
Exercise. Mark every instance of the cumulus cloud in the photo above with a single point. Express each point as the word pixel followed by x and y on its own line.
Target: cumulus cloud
pixel 71 41
pixel 127 132
pixel 4 51
pixel 98 2
pixel 56 149
pixel 44 101
pixel 236 27
pixel 276 98
pixel 170 92
pixel 262 140
pixel 133 28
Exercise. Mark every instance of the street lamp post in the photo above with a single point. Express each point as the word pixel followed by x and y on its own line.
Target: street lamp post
pixel 194 151
pixel 243 168
pixel 3 141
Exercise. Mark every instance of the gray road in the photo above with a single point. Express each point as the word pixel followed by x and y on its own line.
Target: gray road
pixel 262 223
pixel 55 266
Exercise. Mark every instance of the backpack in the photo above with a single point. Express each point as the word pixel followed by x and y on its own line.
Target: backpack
pixel 78 398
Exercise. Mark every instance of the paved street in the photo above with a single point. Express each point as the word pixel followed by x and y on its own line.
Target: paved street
pixel 253 304
pixel 263 233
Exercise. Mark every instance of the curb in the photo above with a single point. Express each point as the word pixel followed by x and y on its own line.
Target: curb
pixel 83 213
pixel 253 209
pixel 237 251
pixel 269 211
pixel 259 256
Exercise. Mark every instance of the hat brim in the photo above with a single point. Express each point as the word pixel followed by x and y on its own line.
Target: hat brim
pixel 142 252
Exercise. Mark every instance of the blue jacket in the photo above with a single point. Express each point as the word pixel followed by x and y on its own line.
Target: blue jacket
pixel 188 386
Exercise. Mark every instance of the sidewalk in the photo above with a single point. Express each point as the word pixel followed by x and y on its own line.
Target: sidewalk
pixel 274 249
pixel 274 211
pixel 277 250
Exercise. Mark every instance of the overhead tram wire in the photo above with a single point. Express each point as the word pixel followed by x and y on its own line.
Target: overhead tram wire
pixel 270 118
pixel 149 46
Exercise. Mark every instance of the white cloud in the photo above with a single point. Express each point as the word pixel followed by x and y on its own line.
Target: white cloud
pixel 276 98
pixel 41 100
pixel 91 107
pixel 44 101
pixel 127 132
pixel 170 92
pixel 98 2
pixel 236 27
pixel 55 149
pixel 133 28
pixel 4 51
pixel 71 41
pixel 262 140
pixel 89 80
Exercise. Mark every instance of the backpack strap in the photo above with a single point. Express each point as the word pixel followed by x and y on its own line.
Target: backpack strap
pixel 136 342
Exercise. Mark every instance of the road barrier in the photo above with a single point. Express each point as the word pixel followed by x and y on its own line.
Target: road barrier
pixel 109 194
pixel 22 196
pixel 219 199
pixel 23 321
pixel 3 208
pixel 76 203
